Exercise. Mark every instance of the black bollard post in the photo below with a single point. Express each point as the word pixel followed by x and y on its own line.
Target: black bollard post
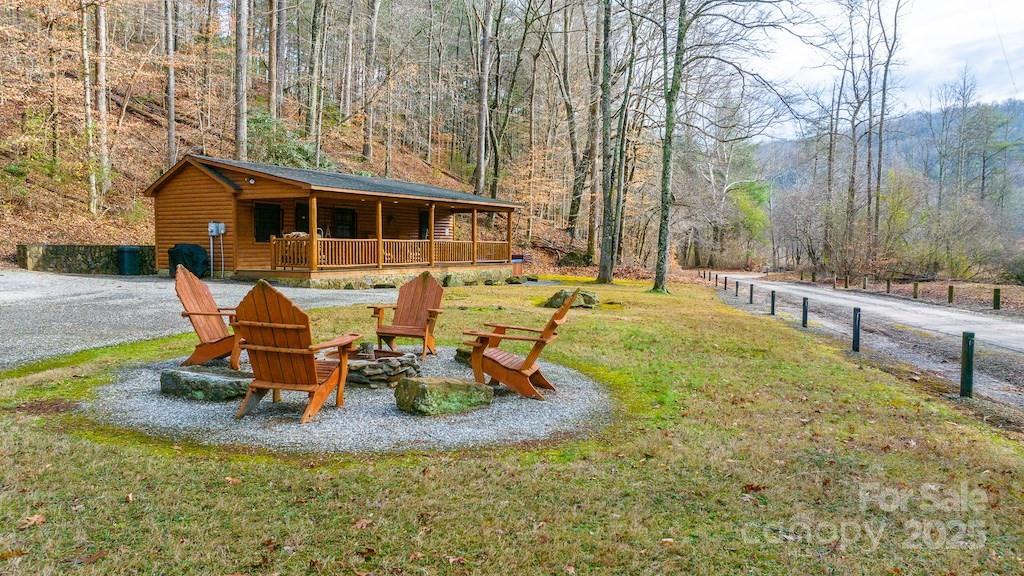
pixel 856 329
pixel 864 283
pixel 773 303
pixel 725 283
pixel 888 285
pixel 949 294
pixel 801 275
pixel 967 365
pixel 997 300
pixel 716 280
pixel 814 276
pixel 803 317
pixel 751 300
pixel 737 283
pixel 915 290
pixel 846 282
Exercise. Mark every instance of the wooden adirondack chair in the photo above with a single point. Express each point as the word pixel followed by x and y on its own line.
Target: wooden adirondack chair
pixel 215 341
pixel 275 332
pixel 518 373
pixel 419 304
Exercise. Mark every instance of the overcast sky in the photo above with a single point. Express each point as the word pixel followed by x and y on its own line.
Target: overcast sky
pixel 937 38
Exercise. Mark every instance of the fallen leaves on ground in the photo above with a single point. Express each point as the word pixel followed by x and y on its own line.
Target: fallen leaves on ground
pixel 30 521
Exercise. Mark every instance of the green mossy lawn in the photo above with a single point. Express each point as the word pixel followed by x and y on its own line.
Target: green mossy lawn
pixel 740 446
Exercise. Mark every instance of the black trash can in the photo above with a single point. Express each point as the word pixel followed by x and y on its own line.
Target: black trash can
pixel 129 260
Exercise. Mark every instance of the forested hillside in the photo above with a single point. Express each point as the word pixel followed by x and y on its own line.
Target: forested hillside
pixel 948 202
pixel 631 132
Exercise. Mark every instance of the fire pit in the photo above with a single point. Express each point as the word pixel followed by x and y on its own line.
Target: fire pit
pixel 375 368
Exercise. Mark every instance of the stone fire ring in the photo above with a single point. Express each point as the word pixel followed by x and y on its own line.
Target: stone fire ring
pixel 369 421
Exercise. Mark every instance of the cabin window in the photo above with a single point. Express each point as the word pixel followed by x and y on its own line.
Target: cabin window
pixel 424 225
pixel 266 221
pixel 343 223
pixel 302 218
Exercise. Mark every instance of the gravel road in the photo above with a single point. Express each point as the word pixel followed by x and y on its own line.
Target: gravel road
pixel 44 314
pixel 993 330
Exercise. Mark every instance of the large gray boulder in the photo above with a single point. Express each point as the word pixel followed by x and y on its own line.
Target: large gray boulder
pixel 434 396
pixel 586 299
pixel 208 383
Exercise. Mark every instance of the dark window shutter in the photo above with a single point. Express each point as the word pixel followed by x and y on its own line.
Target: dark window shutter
pixel 266 221
pixel 302 218
pixel 424 225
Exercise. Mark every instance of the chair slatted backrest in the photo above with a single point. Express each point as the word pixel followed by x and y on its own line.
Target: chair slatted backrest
pixel 195 297
pixel 550 332
pixel 277 336
pixel 415 297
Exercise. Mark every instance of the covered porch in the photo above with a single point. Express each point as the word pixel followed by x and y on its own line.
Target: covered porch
pixel 404 234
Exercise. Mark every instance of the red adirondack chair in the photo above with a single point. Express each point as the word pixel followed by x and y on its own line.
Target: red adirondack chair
pixel 215 341
pixel 419 304
pixel 275 332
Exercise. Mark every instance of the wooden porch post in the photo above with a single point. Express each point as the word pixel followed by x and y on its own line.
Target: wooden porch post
pixel 430 232
pixel 314 238
pixel 380 234
pixel 473 236
pixel 508 236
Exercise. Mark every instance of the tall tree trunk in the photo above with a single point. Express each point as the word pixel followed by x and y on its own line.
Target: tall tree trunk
pixel 606 270
pixel 53 120
pixel 272 57
pixel 90 160
pixel 315 71
pixel 372 10
pixel 667 149
pixel 102 99
pixel 593 144
pixel 206 108
pixel 241 78
pixel 169 46
pixel 484 73
pixel 346 100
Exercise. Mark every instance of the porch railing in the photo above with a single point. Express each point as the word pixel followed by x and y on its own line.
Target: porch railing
pixel 334 253
pixel 453 251
pixel 406 251
pixel 492 251
pixel 289 253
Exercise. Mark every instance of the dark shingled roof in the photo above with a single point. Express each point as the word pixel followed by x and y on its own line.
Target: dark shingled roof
pixel 324 179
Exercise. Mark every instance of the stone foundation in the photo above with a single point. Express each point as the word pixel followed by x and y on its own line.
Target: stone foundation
pixel 80 258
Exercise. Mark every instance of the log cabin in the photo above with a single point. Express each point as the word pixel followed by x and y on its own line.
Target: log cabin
pixel 319 228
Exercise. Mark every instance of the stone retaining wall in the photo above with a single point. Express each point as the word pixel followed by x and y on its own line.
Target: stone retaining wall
pixel 79 258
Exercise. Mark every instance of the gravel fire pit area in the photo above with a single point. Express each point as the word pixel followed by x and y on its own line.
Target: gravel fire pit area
pixel 369 421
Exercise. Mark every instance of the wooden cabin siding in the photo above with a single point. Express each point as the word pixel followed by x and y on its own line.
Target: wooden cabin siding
pixel 186 203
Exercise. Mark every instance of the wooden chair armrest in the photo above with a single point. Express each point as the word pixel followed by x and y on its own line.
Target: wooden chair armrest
pixel 187 314
pixel 434 311
pixel 510 327
pixel 496 336
pixel 339 342
pixel 382 306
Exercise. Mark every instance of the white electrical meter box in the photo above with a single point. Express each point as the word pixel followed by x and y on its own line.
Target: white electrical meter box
pixel 215 228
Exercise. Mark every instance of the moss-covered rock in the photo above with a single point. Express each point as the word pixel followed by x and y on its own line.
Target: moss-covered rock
pixel 209 383
pixel 586 299
pixel 514 280
pixel 434 396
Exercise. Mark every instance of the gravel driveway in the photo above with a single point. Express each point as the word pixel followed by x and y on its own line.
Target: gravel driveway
pixel 44 314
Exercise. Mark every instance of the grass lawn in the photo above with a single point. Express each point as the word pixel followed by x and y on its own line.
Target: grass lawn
pixel 740 445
